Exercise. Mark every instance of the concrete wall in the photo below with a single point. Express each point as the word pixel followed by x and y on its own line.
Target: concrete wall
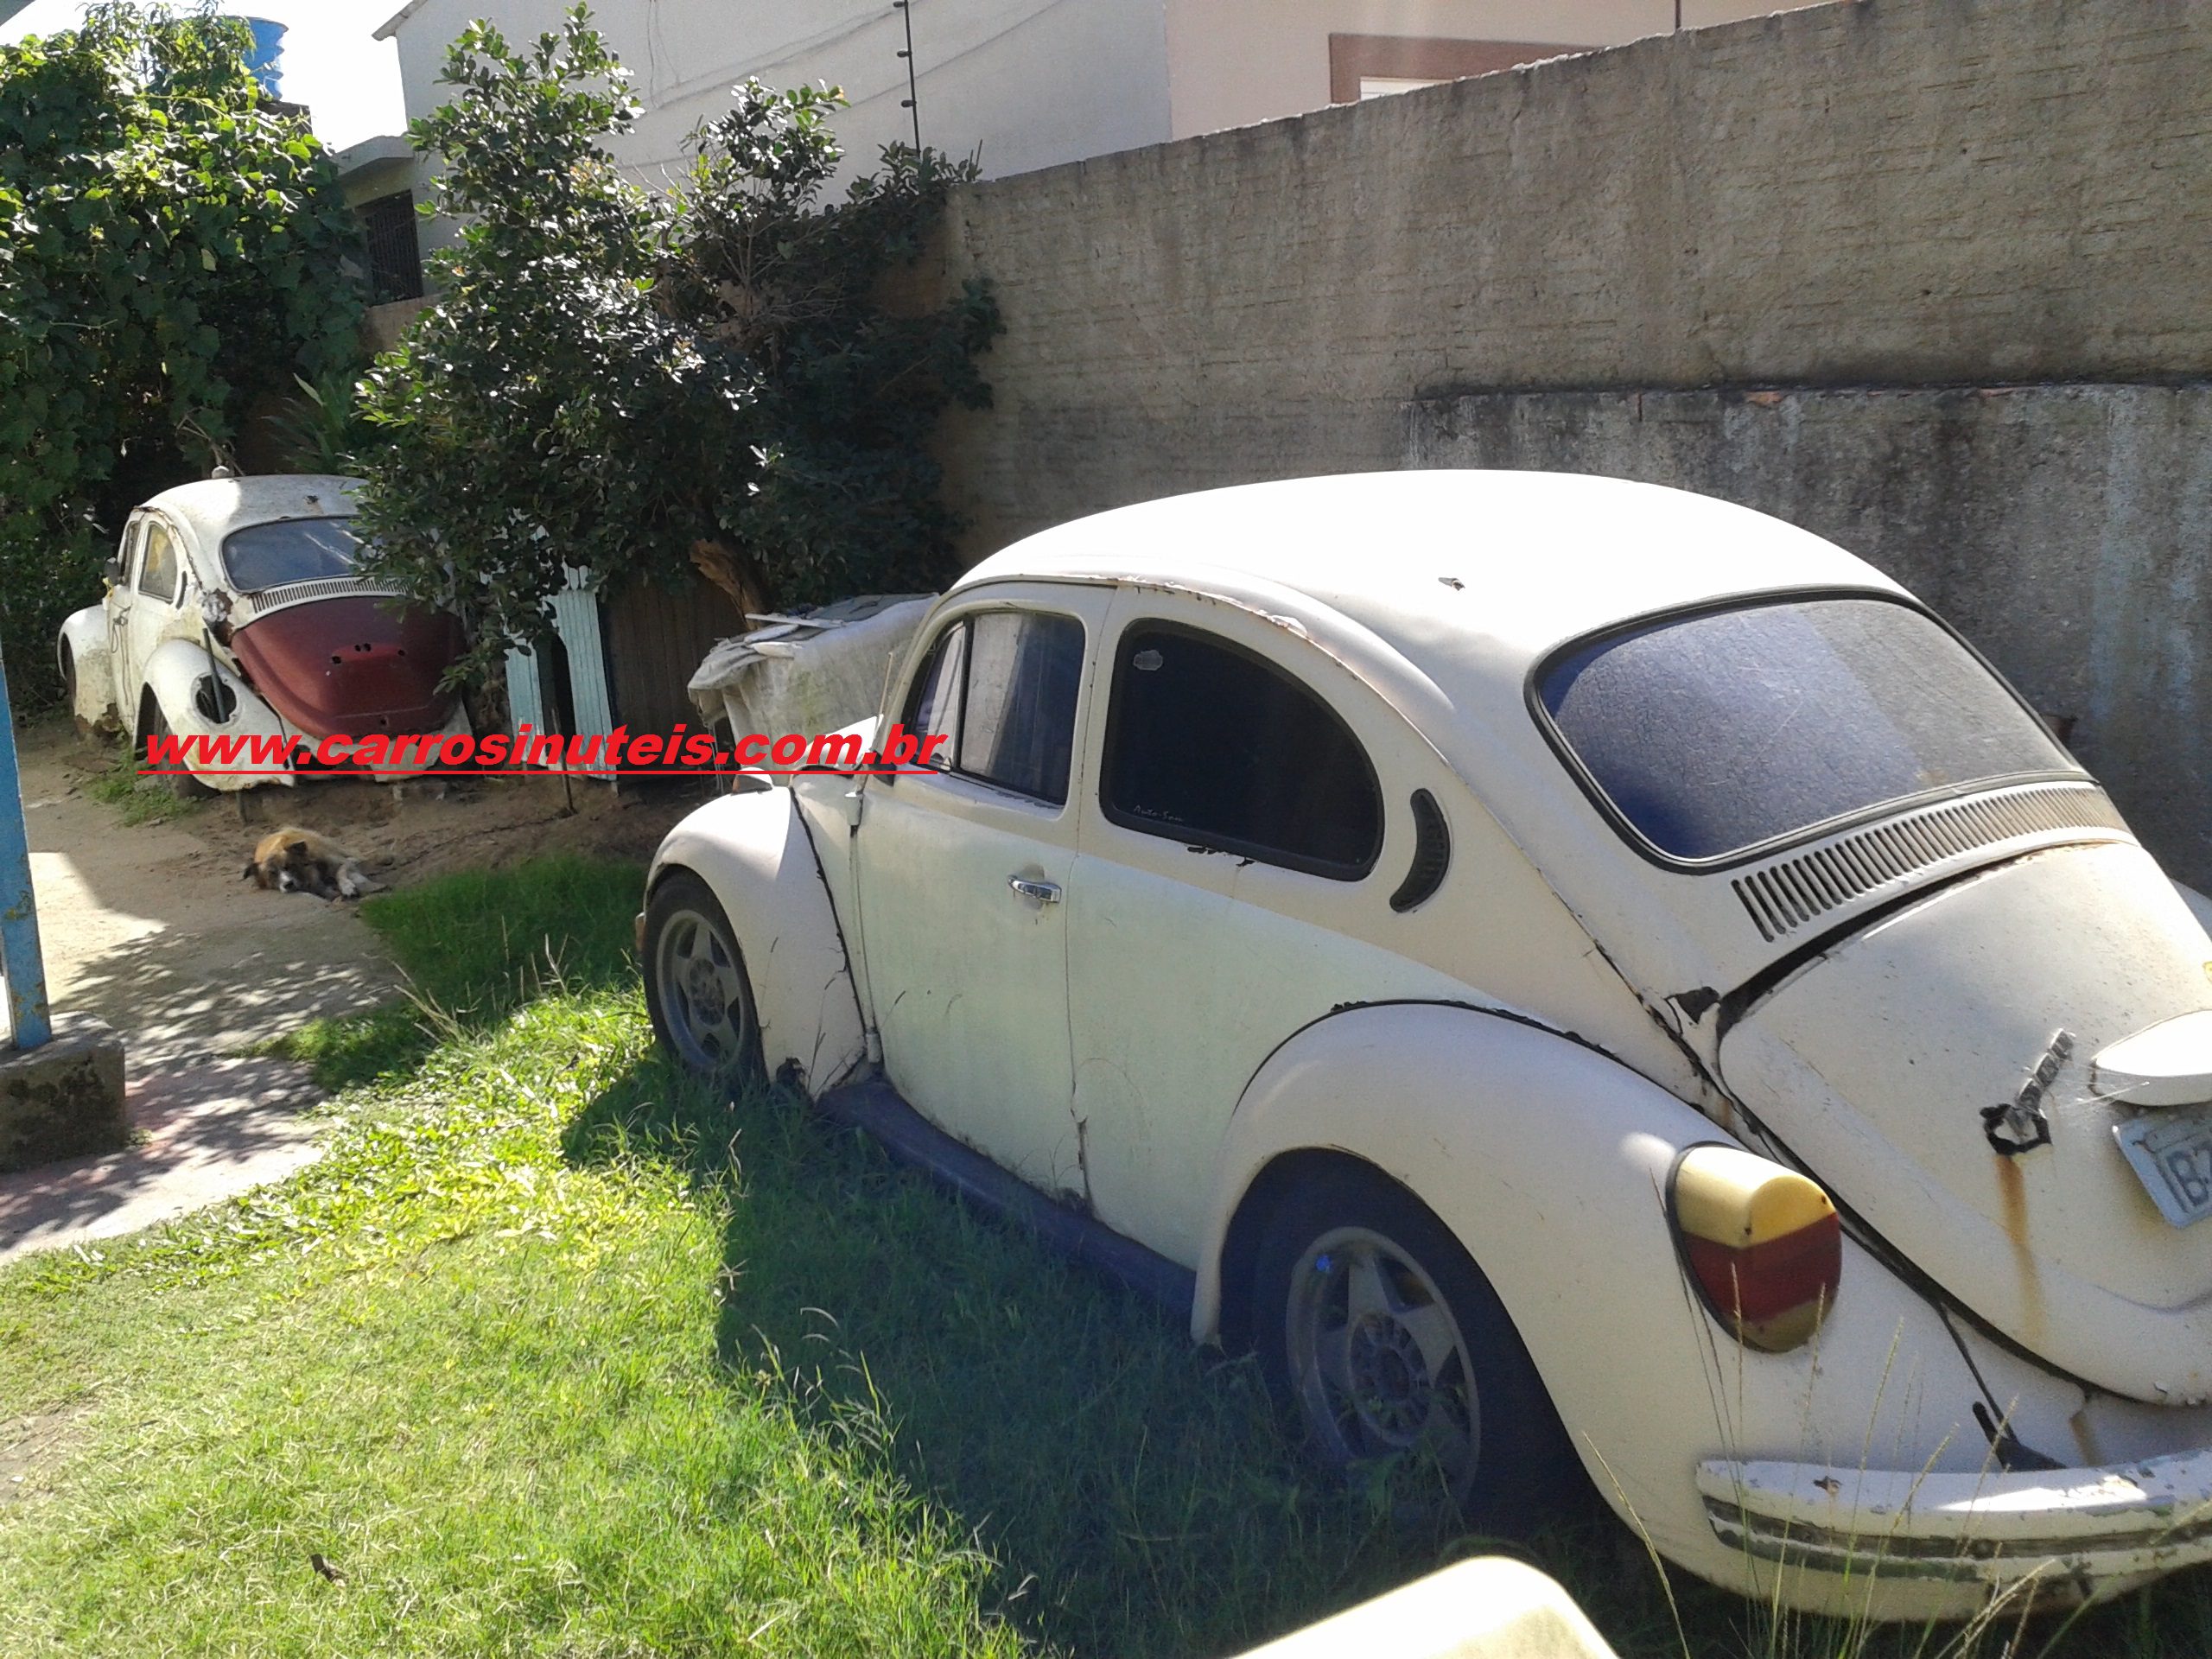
pixel 2065 530
pixel 1892 191
pixel 1888 193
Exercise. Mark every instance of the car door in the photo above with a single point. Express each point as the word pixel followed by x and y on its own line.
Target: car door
pixel 1248 824
pixel 964 868
pixel 157 577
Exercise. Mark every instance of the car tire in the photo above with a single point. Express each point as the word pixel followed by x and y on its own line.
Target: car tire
pixel 1389 1351
pixel 183 784
pixel 697 989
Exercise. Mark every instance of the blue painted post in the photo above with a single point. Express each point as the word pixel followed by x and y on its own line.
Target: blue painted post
pixel 20 957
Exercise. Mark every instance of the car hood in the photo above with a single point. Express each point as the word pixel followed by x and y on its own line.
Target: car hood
pixel 1879 1063
pixel 357 665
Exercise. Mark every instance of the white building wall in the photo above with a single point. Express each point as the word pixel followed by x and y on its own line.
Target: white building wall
pixel 1027 83
pixel 1232 63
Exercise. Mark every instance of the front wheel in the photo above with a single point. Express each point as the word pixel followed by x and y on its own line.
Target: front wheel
pixel 1393 1356
pixel 695 987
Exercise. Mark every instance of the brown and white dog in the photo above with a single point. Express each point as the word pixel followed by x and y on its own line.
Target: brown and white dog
pixel 292 860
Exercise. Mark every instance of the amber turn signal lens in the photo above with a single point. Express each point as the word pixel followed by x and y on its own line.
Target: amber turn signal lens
pixel 1763 1244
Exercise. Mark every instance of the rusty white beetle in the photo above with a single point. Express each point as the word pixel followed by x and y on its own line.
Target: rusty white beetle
pixel 1589 980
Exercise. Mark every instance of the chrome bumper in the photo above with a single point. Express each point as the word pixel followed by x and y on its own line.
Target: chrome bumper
pixel 2088 1531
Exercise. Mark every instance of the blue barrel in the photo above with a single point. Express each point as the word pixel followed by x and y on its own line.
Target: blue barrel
pixel 265 58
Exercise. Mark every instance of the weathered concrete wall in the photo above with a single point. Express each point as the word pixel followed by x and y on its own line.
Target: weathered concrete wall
pixel 1901 191
pixel 2066 529
pixel 1889 192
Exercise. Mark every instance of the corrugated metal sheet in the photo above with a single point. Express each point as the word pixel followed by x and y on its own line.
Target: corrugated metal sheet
pixel 576 621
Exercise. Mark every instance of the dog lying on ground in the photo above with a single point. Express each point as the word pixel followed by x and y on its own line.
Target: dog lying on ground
pixel 299 861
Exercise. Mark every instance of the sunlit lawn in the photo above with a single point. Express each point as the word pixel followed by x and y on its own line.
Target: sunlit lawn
pixel 553 1355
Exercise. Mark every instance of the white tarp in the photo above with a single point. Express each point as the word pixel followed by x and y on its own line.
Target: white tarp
pixel 809 673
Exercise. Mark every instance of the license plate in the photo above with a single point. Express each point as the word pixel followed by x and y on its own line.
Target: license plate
pixel 2171 1153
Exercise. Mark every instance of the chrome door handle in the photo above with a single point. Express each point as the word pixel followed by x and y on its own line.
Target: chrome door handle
pixel 1045 893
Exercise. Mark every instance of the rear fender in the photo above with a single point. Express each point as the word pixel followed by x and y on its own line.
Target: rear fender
pixel 85 636
pixel 173 675
pixel 752 851
pixel 1549 1161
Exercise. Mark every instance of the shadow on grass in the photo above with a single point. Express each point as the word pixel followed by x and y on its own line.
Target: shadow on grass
pixel 474 947
pixel 1135 1491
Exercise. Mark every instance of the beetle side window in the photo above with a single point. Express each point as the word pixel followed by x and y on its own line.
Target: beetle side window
pixel 1002 685
pixel 158 565
pixel 1210 745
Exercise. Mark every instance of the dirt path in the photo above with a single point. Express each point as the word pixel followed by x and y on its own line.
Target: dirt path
pixel 150 927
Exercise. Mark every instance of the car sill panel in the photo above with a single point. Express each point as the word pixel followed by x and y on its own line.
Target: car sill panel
pixel 873 1105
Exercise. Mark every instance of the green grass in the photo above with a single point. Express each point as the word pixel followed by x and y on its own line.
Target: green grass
pixel 139 799
pixel 556 1355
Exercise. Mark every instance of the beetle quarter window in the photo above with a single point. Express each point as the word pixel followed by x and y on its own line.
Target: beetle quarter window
pixel 1210 745
pixel 159 568
pixel 1713 734
pixel 934 707
pixel 1002 686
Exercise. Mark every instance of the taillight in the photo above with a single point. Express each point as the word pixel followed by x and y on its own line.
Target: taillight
pixel 1763 1244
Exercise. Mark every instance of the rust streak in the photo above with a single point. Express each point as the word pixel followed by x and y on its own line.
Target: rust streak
pixel 2011 1188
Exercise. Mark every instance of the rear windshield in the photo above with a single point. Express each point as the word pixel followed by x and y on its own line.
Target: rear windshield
pixel 297 550
pixel 1713 734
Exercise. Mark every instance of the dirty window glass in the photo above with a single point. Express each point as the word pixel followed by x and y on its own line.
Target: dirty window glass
pixel 1211 745
pixel 1713 734
pixel 934 708
pixel 1017 725
pixel 1002 686
pixel 297 550
pixel 159 568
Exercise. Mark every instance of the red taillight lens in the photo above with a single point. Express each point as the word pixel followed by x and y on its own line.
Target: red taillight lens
pixel 1763 1244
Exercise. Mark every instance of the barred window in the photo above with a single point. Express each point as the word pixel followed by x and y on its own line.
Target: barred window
pixel 394 259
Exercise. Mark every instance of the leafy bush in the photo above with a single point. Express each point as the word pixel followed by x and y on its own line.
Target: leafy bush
pixel 172 246
pixel 638 385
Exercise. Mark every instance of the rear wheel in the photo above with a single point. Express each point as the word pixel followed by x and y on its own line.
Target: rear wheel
pixel 695 986
pixel 1389 1348
pixel 156 725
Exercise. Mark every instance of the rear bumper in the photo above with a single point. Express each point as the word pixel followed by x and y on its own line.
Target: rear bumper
pixel 2067 1533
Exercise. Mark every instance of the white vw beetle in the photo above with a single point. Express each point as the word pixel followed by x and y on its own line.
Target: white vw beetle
pixel 232 616
pixel 1532 953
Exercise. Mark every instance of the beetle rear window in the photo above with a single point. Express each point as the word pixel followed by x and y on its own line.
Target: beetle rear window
pixel 296 550
pixel 1712 734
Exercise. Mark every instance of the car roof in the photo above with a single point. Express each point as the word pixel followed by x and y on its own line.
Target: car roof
pixel 1467 577
pixel 213 507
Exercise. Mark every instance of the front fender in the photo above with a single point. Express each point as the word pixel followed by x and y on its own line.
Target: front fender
pixel 1549 1162
pixel 173 671
pixel 752 851
pixel 85 634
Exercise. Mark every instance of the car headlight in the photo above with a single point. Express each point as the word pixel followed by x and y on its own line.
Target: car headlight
pixel 1763 1244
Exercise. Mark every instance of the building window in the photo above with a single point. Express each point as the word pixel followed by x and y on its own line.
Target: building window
pixel 395 261
pixel 1373 66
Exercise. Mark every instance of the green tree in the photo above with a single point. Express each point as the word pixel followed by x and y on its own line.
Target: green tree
pixel 171 248
pixel 636 385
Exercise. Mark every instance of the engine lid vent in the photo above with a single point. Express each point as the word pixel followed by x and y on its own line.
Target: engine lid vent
pixel 1784 896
